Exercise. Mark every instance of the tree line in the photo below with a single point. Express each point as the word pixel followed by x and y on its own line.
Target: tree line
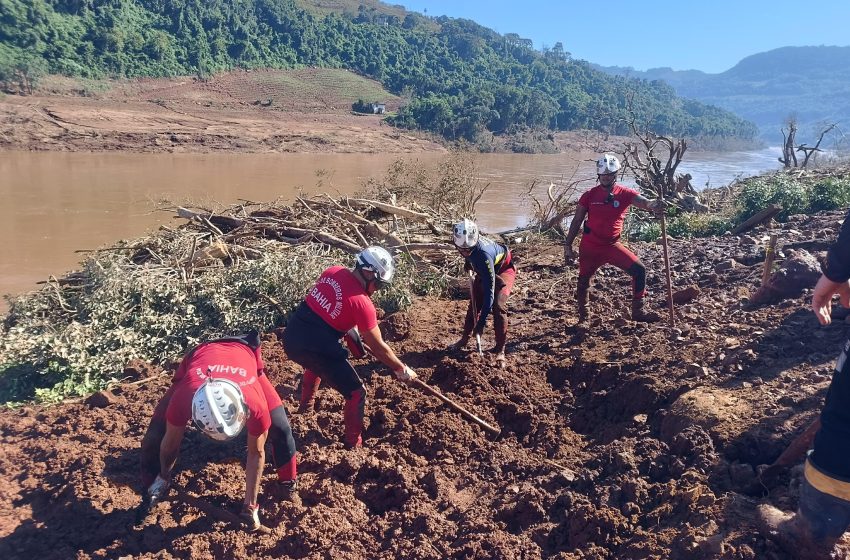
pixel 463 80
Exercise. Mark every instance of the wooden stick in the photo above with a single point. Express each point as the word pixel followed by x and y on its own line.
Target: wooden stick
pixel 667 271
pixel 769 255
pixel 463 412
pixel 388 208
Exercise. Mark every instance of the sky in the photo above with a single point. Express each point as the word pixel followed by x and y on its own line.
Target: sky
pixel 707 35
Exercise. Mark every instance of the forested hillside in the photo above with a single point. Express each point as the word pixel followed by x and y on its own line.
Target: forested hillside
pixel 812 83
pixel 462 80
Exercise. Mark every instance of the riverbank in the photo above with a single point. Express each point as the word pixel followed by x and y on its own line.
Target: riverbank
pixel 258 111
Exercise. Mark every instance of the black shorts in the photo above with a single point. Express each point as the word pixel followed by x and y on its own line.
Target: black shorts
pixel 315 345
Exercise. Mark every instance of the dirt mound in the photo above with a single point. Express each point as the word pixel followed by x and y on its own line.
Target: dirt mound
pixel 633 441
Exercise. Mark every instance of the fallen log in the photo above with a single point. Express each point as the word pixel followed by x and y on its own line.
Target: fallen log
pixel 389 209
pixel 758 218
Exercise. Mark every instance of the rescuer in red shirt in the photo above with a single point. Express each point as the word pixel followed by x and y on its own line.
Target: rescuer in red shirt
pixel 339 307
pixel 221 386
pixel 602 210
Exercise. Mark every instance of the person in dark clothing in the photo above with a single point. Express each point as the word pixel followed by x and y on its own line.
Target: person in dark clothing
pixel 221 386
pixel 602 210
pixel 339 308
pixel 495 274
pixel 824 508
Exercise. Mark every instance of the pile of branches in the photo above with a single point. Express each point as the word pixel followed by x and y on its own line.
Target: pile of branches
pixel 348 224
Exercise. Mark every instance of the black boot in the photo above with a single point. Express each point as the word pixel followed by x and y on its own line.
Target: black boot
pixel 638 313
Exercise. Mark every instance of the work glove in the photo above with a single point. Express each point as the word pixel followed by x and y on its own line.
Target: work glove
pixel 250 516
pixel 355 343
pixel 158 490
pixel 405 374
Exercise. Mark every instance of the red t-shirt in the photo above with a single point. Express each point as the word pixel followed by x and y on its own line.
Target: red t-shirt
pixel 229 360
pixel 605 219
pixel 340 300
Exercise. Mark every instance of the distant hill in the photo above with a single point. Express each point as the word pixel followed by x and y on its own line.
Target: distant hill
pixel 765 88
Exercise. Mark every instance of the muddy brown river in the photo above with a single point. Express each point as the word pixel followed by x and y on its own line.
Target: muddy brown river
pixel 54 204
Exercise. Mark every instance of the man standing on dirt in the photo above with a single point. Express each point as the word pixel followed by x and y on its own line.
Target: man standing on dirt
pixel 340 307
pixel 605 207
pixel 823 513
pixel 495 274
pixel 221 386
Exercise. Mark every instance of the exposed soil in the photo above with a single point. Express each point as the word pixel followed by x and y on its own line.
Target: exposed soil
pixel 301 111
pixel 658 430
pixel 242 111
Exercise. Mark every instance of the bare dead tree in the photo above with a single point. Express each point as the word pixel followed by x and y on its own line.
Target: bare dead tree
pixel 788 137
pixel 809 151
pixel 654 161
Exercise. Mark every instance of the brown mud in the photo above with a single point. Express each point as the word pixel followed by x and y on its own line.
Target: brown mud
pixel 659 429
pixel 242 111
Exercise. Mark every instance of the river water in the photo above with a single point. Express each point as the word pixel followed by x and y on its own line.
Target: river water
pixel 53 204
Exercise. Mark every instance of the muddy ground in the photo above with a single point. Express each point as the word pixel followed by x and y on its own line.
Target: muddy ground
pixel 240 111
pixel 658 430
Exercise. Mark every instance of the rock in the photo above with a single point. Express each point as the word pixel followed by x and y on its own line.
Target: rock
pixel 799 272
pixel 724 266
pixel 712 408
pixel 102 399
pixel 686 295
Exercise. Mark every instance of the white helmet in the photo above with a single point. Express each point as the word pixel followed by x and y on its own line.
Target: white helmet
pixel 379 261
pixel 606 164
pixel 465 234
pixel 219 409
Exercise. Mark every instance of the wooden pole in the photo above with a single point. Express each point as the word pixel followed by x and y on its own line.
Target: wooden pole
pixel 463 412
pixel 667 271
pixel 769 255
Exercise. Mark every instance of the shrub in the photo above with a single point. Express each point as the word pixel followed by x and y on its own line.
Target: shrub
pixel 829 195
pixel 59 342
pixel 783 190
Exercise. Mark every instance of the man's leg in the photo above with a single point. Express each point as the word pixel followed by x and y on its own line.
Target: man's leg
pixel 309 385
pixel 625 260
pixel 341 375
pixel 590 258
pixel 280 434
pixel 822 517
pixel 504 284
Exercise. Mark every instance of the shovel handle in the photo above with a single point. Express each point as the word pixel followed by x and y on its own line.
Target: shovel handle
pixel 463 412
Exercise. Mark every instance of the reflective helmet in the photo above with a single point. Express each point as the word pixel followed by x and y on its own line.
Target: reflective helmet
pixel 606 164
pixel 465 234
pixel 219 409
pixel 379 261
